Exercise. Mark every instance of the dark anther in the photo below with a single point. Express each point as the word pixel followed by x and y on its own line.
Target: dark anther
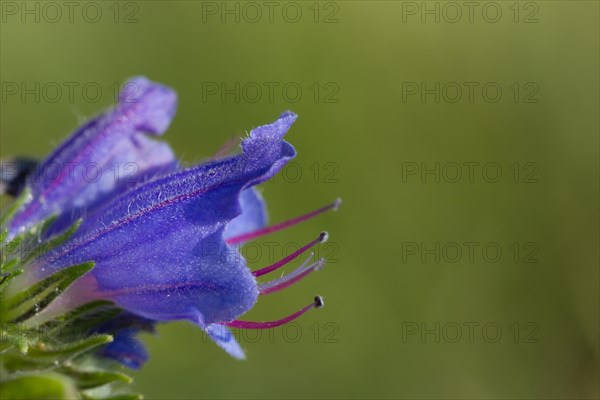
pixel 323 237
pixel 319 302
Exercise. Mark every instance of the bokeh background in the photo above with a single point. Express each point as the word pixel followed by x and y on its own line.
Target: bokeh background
pixel 411 312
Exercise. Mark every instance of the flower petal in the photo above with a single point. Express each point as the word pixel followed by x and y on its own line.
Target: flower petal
pixel 110 151
pixel 225 339
pixel 253 216
pixel 126 349
pixel 159 248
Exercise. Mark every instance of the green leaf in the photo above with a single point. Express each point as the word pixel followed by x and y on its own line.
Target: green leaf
pixel 42 293
pixel 39 386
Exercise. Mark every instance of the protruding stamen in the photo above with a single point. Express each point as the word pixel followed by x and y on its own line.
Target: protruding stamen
pixel 288 280
pixel 321 239
pixel 337 203
pixel 317 303
pixel 282 225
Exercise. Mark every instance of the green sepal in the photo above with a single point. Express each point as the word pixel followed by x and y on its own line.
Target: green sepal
pixel 116 396
pixel 27 240
pixel 88 379
pixel 61 352
pixel 6 277
pixel 10 247
pixel 52 242
pixel 42 293
pixel 40 386
pixel 15 206
pixel 58 358
pixel 10 265
pixel 81 321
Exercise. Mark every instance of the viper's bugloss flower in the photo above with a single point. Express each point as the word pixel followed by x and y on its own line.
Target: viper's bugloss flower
pixel 75 177
pixel 165 244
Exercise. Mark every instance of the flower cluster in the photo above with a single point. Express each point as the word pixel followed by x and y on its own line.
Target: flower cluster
pixel 165 240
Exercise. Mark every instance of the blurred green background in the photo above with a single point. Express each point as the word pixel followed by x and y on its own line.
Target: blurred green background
pixel 411 312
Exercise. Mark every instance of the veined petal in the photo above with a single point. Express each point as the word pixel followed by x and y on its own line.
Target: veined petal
pixel 110 151
pixel 159 248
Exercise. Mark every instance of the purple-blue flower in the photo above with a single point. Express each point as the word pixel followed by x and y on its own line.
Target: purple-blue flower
pixel 164 239
pixel 105 154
